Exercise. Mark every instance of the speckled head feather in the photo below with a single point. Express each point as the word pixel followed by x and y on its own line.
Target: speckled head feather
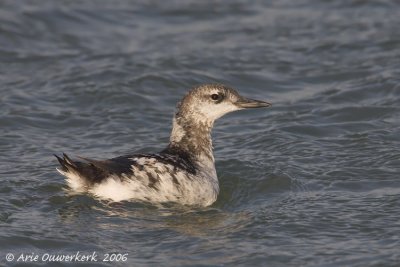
pixel 206 103
pixel 196 114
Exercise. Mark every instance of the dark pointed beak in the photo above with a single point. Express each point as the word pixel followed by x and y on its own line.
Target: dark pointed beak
pixel 251 103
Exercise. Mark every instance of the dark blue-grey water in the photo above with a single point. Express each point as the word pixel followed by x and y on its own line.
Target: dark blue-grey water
pixel 312 181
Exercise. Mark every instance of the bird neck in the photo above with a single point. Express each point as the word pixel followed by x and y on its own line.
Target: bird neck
pixel 194 138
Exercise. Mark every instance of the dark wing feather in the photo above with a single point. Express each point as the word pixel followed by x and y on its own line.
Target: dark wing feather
pixel 95 171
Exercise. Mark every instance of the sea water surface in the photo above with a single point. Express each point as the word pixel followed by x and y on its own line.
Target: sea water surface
pixel 312 181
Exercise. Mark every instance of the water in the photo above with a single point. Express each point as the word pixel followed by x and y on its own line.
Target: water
pixel 312 181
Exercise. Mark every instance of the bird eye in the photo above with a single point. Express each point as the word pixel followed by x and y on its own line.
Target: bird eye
pixel 216 97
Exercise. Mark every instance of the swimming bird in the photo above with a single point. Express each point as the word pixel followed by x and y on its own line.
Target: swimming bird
pixel 184 172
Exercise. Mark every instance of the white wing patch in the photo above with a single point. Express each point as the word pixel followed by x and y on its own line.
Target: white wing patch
pixel 152 181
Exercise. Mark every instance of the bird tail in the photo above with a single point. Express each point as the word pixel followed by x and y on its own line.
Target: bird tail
pixel 72 171
pixel 66 163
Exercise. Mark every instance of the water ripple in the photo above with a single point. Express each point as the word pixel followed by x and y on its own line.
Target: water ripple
pixel 312 181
